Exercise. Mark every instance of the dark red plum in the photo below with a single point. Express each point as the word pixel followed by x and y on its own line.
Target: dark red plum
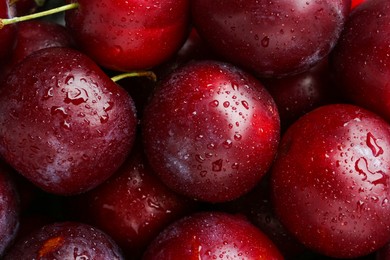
pixel 141 34
pixel 211 131
pixel 9 208
pixel 271 38
pixel 257 207
pixel 25 7
pixel 298 94
pixel 361 58
pixel 7 33
pixel 330 181
pixel 132 207
pixel 65 125
pixel 65 240
pixel 212 235
pixel 36 35
pixel 194 48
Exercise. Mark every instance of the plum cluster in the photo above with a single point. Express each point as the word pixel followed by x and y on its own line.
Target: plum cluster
pixel 195 129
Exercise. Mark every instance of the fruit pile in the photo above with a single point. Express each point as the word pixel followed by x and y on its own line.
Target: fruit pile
pixel 156 129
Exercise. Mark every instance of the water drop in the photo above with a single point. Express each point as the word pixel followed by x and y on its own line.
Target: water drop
pixel 265 42
pixel 199 137
pixel 245 104
pixel 58 110
pixel 214 103
pixel 375 178
pixel 235 87
pixel 237 137
pixel 208 155
pixel 199 158
pixel 203 173
pixel 48 94
pixel 104 118
pixel 211 146
pixel 235 166
pixel 76 96
pixel 108 106
pixel 226 104
pixel 385 201
pixel 217 165
pixel 65 124
pixel 69 80
pixel 372 143
pixel 152 204
pixel 360 205
pixel 49 159
pixel 227 144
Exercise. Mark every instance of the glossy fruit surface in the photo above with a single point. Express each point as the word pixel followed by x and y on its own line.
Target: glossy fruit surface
pixel 330 181
pixel 64 124
pixel 361 58
pixel 298 94
pixel 132 207
pixel 257 207
pixel 8 33
pixel 9 208
pixel 271 38
pixel 140 35
pixel 211 131
pixel 36 35
pixel 65 240
pixel 212 235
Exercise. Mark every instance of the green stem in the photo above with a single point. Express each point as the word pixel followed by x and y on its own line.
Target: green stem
pixel 63 8
pixel 148 74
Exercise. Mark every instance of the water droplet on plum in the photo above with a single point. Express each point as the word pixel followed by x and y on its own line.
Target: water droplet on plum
pixel 76 96
pixel 265 42
pixel 217 165
pixel 372 143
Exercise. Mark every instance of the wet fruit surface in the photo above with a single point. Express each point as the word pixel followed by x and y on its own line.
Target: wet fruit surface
pixel 361 58
pixel 127 40
pixel 211 131
pixel 225 80
pixel 212 236
pixel 9 208
pixel 331 181
pixel 7 34
pixel 132 207
pixel 271 38
pixel 35 35
pixel 61 117
pixel 66 240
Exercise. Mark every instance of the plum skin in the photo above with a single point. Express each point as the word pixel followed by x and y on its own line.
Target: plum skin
pixel 212 235
pixel 66 240
pixel 211 131
pixel 65 125
pixel 271 38
pixel 127 40
pixel 133 206
pixel 330 181
pixel 361 57
pixel 9 208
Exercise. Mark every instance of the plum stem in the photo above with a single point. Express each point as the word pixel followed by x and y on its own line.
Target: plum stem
pixel 148 74
pixel 63 8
